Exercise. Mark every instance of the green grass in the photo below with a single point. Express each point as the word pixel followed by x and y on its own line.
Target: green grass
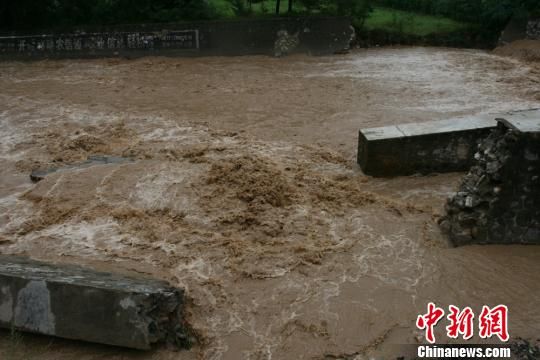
pixel 392 20
pixel 269 7
pixel 410 23
pixel 223 8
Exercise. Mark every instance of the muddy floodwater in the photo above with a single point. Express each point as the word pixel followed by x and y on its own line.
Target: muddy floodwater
pixel 244 191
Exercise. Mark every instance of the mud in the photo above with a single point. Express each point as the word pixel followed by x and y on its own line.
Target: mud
pixel 244 191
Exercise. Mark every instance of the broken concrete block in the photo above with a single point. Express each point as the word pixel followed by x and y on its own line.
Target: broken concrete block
pixel 437 146
pixel 76 303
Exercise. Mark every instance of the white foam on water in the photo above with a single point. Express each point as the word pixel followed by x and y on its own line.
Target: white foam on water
pixel 445 81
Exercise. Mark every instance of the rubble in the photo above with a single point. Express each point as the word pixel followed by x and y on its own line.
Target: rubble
pixel 525 350
pixel 285 43
pixel 533 29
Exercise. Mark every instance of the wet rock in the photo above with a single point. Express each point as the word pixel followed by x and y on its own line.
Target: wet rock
pixel 285 43
pixel 77 303
pixel 524 350
pixel 533 29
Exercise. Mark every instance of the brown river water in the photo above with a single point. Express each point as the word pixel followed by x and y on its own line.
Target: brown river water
pixel 245 192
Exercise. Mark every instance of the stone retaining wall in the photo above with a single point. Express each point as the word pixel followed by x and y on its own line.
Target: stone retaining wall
pixel 314 35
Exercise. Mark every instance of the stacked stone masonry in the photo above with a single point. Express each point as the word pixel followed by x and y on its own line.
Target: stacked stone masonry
pixel 499 199
pixel 533 29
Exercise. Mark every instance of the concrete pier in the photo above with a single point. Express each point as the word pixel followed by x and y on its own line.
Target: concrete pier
pixel 76 303
pixel 436 146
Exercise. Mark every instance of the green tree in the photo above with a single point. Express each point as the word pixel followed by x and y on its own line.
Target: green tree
pixel 311 5
pixel 358 10
pixel 25 14
pixel 240 7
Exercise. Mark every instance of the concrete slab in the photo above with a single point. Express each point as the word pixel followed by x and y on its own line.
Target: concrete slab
pixel 381 133
pixel 76 303
pixel 437 146
pixel 448 126
pixel 526 121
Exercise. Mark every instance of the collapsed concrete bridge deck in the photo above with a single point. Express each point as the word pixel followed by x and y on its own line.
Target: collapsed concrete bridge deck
pixel 80 304
pixel 436 146
pixel 497 201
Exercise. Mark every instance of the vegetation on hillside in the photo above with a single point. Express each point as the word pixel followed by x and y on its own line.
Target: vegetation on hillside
pixel 408 17
pixel 411 23
pixel 31 14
